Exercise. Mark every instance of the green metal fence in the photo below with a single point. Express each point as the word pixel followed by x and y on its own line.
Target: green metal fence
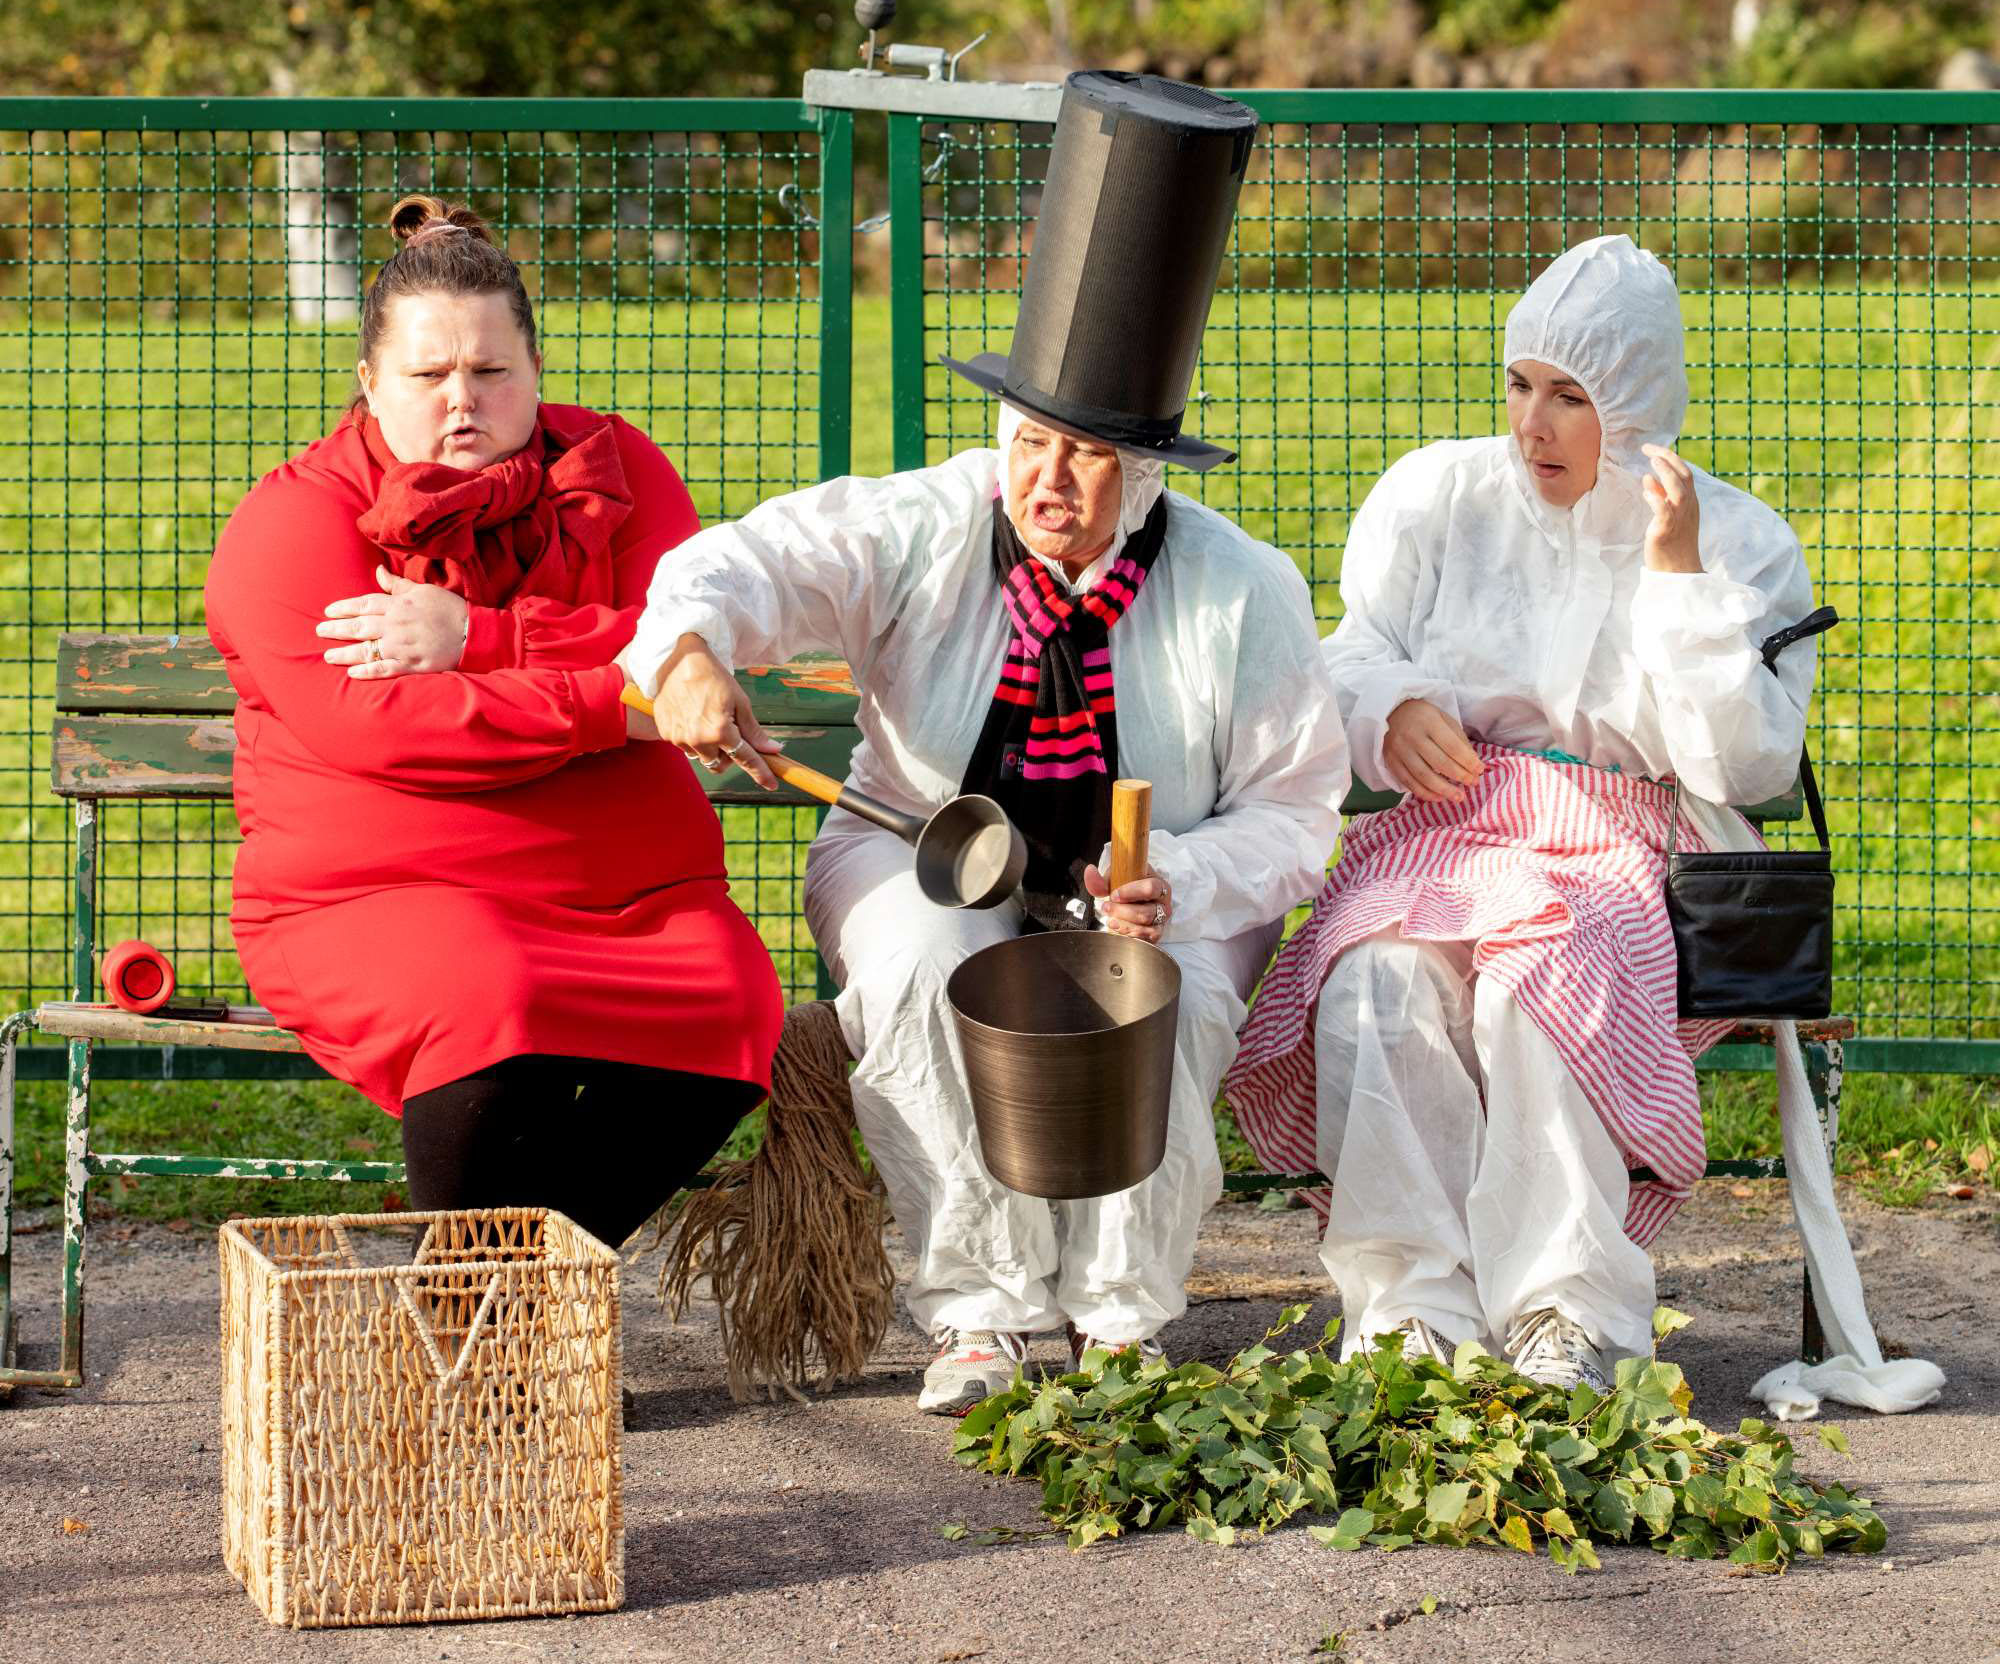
pixel 1839 261
pixel 178 284
pixel 177 279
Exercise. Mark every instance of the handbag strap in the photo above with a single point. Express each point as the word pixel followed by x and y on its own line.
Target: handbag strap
pixel 1817 621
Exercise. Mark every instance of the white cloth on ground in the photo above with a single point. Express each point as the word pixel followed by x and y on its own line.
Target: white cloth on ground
pixel 988 1257
pixel 1223 703
pixel 1468 1217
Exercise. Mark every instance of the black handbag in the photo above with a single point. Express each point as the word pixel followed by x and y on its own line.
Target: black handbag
pixel 1753 929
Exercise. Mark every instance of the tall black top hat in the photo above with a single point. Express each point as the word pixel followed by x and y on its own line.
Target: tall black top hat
pixel 1141 189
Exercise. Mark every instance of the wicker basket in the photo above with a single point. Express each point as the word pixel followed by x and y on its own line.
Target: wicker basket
pixel 413 1437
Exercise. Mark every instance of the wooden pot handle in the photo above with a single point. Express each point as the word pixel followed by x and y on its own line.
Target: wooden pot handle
pixel 1131 826
pixel 815 784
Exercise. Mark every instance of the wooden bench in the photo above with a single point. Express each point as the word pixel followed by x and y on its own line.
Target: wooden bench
pixel 148 718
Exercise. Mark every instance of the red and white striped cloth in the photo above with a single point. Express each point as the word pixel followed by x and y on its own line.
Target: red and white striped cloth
pixel 1556 873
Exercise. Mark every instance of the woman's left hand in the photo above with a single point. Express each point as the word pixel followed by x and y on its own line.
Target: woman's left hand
pixel 1140 908
pixel 409 627
pixel 1673 540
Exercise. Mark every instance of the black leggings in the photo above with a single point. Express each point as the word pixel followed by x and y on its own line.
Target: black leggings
pixel 604 1143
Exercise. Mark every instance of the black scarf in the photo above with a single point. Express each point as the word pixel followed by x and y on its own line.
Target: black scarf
pixel 1049 750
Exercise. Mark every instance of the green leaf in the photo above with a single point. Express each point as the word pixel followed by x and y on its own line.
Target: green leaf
pixel 1656 1509
pixel 954 1532
pixel 1204 1529
pixel 1834 1439
pixel 1515 1534
pixel 1613 1511
pixel 1666 1321
pixel 1428 1605
pixel 1446 1503
pixel 1751 1504
pixel 1763 1549
pixel 1653 1389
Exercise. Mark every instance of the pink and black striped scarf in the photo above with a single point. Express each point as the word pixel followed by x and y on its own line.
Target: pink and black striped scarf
pixel 1049 750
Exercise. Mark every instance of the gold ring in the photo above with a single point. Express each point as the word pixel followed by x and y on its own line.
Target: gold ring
pixel 374 648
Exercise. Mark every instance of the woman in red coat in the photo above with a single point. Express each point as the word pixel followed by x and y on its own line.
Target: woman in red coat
pixel 460 885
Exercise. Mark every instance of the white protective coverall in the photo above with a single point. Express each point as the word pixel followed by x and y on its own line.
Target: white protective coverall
pixel 1473 1180
pixel 1224 704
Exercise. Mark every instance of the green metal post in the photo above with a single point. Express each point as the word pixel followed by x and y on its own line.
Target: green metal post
pixel 906 290
pixel 836 334
pixel 836 292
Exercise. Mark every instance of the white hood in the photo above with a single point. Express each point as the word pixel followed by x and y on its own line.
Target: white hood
pixel 1607 314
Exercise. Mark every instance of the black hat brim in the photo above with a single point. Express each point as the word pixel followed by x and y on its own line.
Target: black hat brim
pixel 988 370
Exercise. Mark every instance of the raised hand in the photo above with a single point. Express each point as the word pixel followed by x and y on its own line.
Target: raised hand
pixel 1673 540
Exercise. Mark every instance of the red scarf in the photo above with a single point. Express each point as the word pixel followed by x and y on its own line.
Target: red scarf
pixel 534 523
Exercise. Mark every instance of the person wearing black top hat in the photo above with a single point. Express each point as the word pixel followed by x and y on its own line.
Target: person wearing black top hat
pixel 1031 621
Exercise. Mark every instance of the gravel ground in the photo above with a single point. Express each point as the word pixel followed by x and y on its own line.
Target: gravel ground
pixel 786 1532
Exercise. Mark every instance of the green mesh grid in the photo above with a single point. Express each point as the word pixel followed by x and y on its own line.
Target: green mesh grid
pixel 177 316
pixel 1841 287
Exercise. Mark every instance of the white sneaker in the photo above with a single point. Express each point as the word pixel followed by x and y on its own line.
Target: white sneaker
pixel 1547 1347
pixel 1149 1349
pixel 1420 1340
pixel 971 1364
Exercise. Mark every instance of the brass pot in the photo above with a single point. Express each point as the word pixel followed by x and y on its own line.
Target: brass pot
pixel 1068 1040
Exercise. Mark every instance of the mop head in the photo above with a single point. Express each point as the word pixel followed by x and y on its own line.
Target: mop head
pixel 790 1240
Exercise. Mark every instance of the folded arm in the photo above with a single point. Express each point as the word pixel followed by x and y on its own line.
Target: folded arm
pixel 287 551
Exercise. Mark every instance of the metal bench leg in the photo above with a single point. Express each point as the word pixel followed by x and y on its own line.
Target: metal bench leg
pixel 1823 1071
pixel 76 1141
pixel 10 1036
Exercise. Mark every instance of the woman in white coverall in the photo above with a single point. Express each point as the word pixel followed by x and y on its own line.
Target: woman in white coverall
pixel 1475 1036
pixel 1222 701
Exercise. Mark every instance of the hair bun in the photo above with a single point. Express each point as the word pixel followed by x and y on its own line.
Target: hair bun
pixel 418 219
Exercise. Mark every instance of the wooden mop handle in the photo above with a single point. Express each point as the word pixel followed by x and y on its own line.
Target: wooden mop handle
pixel 1131 825
pixel 808 780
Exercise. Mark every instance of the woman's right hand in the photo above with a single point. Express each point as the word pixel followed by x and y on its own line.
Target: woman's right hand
pixel 703 709
pixel 1429 752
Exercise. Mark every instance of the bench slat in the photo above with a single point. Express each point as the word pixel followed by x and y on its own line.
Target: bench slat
pixel 179 675
pixel 136 756
pixel 167 757
pixel 248 1028
pixel 813 690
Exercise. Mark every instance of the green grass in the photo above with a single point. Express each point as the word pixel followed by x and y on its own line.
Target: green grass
pixel 1867 416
